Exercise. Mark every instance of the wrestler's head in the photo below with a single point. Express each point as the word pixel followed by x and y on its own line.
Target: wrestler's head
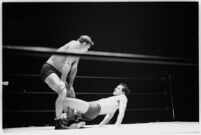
pixel 85 40
pixel 121 89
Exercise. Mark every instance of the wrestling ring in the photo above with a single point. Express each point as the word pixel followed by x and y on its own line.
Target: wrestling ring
pixel 163 118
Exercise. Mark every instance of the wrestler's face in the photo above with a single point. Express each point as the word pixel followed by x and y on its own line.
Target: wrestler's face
pixel 118 90
pixel 86 46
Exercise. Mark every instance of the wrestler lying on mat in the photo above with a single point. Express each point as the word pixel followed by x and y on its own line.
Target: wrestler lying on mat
pixel 106 106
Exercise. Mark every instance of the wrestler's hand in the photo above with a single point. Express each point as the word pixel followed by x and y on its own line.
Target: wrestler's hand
pixel 117 125
pixel 71 89
pixel 98 126
pixel 71 92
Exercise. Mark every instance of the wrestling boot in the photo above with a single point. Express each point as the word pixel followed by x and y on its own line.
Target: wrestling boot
pixel 60 125
pixel 74 123
pixel 77 125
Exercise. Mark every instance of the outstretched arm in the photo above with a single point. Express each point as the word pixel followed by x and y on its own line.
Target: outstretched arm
pixel 122 109
pixel 106 119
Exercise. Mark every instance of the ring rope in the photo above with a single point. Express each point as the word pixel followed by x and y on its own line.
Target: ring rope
pixel 129 109
pixel 94 77
pixel 91 93
pixel 106 56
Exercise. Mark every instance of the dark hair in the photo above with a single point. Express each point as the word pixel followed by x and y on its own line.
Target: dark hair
pixel 125 88
pixel 85 38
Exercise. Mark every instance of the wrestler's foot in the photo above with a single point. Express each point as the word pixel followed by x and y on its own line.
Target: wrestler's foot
pixel 77 125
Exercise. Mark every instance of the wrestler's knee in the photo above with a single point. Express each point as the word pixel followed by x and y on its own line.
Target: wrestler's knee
pixel 61 89
pixel 55 83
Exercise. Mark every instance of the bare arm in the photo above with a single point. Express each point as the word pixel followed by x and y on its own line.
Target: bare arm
pixel 67 65
pixel 65 71
pixel 106 119
pixel 122 109
pixel 73 73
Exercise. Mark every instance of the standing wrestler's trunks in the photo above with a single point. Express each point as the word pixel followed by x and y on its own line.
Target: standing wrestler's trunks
pixel 48 69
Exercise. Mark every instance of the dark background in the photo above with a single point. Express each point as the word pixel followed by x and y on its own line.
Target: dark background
pixel 152 28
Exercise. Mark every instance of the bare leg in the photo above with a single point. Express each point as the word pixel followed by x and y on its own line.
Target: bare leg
pixel 70 112
pixel 76 104
pixel 53 82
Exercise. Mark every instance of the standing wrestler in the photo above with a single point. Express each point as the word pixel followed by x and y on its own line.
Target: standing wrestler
pixel 56 69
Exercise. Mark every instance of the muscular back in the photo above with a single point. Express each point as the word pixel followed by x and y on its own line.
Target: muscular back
pixel 59 61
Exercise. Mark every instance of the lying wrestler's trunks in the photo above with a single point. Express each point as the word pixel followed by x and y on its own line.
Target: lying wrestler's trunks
pixel 48 69
pixel 93 111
